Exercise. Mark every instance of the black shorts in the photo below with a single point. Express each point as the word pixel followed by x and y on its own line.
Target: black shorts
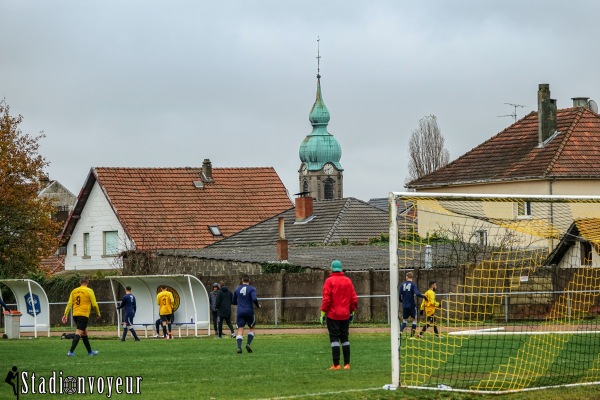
pixel 81 322
pixel 166 318
pixel 128 319
pixel 242 319
pixel 431 320
pixel 410 312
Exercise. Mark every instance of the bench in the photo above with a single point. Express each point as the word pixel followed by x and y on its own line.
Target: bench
pixel 178 325
pixel 31 328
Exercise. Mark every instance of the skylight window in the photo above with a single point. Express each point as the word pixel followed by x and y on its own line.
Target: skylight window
pixel 555 134
pixel 214 229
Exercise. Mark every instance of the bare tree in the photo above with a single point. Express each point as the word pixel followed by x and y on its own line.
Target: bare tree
pixel 426 149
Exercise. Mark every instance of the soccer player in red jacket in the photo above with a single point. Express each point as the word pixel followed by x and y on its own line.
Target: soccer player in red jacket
pixel 339 305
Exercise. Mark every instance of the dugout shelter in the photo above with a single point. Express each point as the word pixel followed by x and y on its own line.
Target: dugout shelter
pixel 192 308
pixel 33 303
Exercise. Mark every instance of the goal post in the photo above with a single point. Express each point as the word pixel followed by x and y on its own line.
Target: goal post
pixel 519 280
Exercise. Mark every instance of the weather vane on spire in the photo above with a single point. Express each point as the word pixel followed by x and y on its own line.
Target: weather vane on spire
pixel 318 58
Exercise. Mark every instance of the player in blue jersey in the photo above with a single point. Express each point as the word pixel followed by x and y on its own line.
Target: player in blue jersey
pixel 245 298
pixel 407 292
pixel 3 304
pixel 129 304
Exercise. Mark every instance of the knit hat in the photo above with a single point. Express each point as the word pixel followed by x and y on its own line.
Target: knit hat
pixel 215 284
pixel 336 266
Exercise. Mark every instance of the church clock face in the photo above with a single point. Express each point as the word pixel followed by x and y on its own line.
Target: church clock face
pixel 328 169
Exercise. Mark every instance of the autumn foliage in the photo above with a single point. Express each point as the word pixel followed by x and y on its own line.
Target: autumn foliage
pixel 27 231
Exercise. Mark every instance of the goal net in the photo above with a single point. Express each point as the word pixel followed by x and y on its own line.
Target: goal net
pixel 518 282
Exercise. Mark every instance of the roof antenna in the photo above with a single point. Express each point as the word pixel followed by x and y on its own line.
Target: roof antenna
pixel 318 58
pixel 514 113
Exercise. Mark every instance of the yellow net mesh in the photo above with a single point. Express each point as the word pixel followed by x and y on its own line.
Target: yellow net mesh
pixel 526 310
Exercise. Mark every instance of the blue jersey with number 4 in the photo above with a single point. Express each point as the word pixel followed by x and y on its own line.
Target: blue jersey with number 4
pixel 245 297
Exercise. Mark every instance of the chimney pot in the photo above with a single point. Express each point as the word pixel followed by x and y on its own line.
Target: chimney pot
pixel 207 171
pixel 304 207
pixel 281 228
pixel 282 243
pixel 580 102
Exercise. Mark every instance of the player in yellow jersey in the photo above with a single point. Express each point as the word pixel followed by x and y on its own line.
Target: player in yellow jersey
pixel 82 299
pixel 165 302
pixel 429 306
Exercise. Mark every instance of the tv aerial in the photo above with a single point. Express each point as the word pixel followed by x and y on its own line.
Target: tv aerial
pixel 514 113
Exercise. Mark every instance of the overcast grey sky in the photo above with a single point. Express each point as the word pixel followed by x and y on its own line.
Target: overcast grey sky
pixel 170 83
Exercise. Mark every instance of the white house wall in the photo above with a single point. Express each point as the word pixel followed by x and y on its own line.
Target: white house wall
pixel 435 220
pixel 559 187
pixel 572 258
pixel 96 218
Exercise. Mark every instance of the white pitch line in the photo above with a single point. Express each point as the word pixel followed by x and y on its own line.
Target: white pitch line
pixel 476 331
pixel 298 396
pixel 467 333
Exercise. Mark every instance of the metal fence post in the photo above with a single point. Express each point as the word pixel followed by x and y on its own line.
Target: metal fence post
pixel 569 306
pixel 275 301
pixel 387 302
pixel 506 308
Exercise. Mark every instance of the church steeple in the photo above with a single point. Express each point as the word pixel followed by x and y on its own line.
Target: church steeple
pixel 319 114
pixel 320 153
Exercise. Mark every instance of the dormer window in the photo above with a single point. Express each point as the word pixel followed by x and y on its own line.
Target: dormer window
pixel 214 229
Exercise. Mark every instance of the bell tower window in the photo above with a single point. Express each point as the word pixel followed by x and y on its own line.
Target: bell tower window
pixel 328 195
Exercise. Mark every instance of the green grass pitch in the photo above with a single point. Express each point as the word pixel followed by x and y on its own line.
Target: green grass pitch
pixel 281 366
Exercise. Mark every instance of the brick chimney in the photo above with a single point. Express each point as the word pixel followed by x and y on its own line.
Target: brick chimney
pixel 43 181
pixel 282 243
pixel 304 206
pixel 207 171
pixel 546 113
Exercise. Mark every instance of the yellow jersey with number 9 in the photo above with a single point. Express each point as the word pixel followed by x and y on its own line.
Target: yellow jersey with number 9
pixel 82 300
pixel 165 302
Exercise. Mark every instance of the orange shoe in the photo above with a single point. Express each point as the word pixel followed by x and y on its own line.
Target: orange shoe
pixel 335 367
pixel 347 366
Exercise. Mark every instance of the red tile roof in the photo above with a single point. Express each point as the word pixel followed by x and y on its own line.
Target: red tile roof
pixel 515 154
pixel 53 264
pixel 161 208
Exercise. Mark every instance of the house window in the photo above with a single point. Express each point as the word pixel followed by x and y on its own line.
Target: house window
pixel 586 253
pixel 524 209
pixel 74 249
pixel 111 243
pixel 328 195
pixel 482 237
pixel 86 244
pixel 214 229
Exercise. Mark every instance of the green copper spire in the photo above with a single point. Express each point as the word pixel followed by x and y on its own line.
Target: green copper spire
pixel 319 114
pixel 320 147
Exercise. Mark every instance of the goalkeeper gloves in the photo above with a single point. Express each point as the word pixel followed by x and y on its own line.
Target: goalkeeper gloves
pixel 352 316
pixel 322 319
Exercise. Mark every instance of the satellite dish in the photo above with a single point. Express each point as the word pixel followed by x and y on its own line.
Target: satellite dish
pixel 593 106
